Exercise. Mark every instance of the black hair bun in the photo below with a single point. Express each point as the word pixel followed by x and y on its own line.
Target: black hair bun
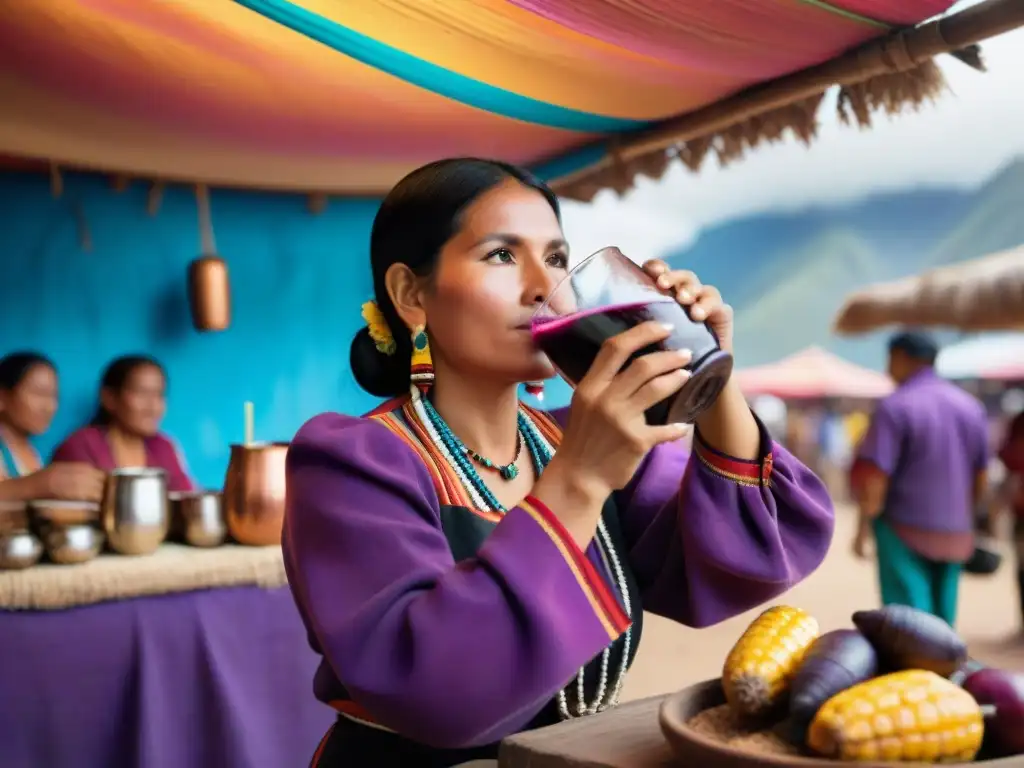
pixel 381 375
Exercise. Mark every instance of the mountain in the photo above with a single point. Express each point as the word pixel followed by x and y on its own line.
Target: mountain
pixel 787 273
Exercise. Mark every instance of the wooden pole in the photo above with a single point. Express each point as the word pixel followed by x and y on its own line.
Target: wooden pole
pixel 899 52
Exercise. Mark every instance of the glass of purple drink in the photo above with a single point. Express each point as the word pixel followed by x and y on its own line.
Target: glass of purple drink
pixel 607 294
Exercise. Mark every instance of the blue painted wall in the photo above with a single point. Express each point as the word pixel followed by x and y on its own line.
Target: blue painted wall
pixel 298 281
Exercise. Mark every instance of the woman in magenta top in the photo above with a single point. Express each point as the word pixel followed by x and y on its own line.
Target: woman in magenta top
pixel 125 430
pixel 469 567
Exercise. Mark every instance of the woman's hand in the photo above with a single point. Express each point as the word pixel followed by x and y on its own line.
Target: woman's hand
pixel 71 481
pixel 727 425
pixel 607 436
pixel 703 302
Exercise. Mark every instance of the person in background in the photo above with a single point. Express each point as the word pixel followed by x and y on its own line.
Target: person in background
pixel 125 430
pixel 921 471
pixel 1012 456
pixel 28 402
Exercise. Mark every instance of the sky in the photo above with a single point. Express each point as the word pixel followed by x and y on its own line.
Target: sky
pixel 962 139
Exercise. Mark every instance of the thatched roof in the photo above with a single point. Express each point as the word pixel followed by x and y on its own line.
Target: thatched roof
pixel 979 295
pixel 890 74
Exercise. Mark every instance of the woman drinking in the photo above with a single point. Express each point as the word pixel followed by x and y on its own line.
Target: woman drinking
pixel 469 567
pixel 125 432
pixel 28 402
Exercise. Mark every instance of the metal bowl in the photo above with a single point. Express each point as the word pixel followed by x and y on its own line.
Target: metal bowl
pixel 57 512
pixel 72 544
pixel 19 549
pixel 197 518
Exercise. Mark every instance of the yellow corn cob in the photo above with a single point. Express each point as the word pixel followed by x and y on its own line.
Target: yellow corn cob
pixel 759 667
pixel 911 716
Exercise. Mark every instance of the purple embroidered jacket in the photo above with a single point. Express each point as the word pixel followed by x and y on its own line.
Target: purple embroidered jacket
pixel 458 651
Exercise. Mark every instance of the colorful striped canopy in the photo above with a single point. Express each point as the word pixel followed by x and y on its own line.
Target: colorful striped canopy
pixel 347 95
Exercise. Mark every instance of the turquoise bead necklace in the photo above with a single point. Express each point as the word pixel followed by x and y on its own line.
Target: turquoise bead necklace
pixel 460 453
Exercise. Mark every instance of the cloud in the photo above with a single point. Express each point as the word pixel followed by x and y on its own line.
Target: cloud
pixel 961 140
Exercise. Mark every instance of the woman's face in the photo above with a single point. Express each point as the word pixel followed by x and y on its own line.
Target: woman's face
pixel 30 406
pixel 490 277
pixel 140 405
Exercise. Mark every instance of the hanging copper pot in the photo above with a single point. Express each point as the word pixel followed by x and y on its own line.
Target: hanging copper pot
pixel 209 293
pixel 209 290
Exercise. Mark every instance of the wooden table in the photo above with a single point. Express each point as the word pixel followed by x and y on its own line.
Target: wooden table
pixel 626 737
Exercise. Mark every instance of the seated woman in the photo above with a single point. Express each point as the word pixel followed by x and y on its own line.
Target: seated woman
pixel 469 567
pixel 28 402
pixel 125 430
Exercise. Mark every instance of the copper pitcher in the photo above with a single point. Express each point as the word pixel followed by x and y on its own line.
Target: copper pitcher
pixel 254 493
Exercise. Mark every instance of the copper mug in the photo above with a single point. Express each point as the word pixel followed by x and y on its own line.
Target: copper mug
pixel 254 493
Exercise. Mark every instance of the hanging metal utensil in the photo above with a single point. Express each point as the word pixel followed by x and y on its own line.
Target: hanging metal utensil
pixel 209 289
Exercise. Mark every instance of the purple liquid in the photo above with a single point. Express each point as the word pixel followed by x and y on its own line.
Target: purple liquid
pixel 573 341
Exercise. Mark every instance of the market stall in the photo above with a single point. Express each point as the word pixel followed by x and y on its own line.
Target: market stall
pixel 979 295
pixel 813 374
pixel 992 357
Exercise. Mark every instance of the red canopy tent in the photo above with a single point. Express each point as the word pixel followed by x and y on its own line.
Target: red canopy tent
pixel 811 374
pixel 1013 372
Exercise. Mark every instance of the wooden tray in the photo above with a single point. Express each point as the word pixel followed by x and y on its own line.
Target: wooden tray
pixel 695 749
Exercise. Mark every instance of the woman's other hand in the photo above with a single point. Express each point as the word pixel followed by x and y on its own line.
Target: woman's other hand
pixel 71 481
pixel 703 302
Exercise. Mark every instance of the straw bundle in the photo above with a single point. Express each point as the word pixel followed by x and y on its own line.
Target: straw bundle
pixel 892 74
pixel 980 295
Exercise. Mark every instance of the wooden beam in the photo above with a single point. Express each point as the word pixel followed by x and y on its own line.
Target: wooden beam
pixel 893 53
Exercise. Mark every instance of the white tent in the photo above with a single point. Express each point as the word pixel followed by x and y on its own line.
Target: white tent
pixel 992 355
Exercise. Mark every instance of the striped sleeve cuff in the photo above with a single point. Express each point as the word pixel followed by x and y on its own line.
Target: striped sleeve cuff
pixel 756 472
pixel 606 606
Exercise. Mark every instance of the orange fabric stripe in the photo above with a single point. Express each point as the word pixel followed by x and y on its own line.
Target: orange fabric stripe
pixel 411 427
pixel 390 421
pixel 548 426
pixel 753 473
pixel 605 606
pixel 387 406
pixel 457 495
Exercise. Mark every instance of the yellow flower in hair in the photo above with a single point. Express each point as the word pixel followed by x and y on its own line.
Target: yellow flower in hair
pixel 378 327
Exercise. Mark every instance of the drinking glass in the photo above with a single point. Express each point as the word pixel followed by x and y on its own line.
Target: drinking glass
pixel 607 294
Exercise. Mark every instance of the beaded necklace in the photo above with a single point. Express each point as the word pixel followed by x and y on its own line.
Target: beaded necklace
pixel 456 454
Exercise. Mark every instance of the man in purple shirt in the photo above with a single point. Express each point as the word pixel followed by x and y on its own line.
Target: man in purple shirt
pixel 920 472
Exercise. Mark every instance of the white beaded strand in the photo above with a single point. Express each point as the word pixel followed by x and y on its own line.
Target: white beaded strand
pixel 611 556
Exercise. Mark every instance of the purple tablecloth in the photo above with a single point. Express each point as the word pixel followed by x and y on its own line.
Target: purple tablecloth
pixel 211 679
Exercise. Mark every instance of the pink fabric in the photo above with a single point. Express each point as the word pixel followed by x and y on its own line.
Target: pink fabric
pixel 752 39
pixel 89 445
pixel 190 112
pixel 898 14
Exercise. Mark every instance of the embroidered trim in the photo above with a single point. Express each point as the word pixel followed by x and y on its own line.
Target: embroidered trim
pixel 315 762
pixel 606 606
pixel 399 416
pixel 750 473
pixel 357 713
